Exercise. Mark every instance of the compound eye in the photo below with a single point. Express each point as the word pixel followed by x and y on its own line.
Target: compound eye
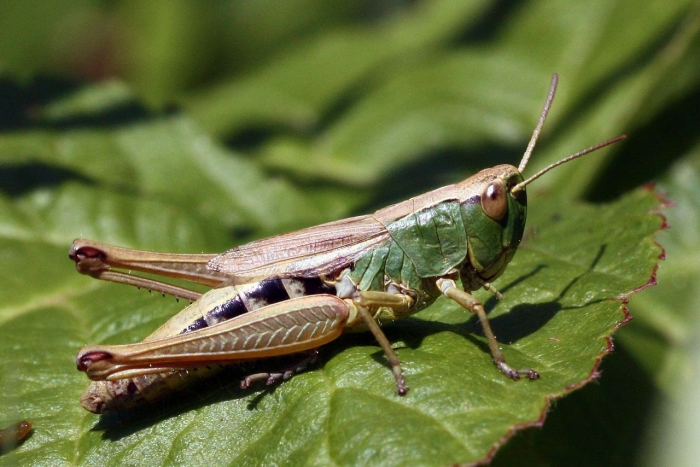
pixel 494 201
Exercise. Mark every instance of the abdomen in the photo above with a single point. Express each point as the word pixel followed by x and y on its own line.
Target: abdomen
pixel 213 307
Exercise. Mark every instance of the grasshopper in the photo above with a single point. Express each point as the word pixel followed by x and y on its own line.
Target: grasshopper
pixel 292 293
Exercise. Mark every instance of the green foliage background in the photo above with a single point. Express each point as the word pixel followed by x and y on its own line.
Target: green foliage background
pixel 281 115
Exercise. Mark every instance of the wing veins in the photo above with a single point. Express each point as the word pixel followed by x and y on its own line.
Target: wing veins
pixel 308 252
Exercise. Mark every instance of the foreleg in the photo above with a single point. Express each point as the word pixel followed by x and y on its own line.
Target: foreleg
pixel 450 290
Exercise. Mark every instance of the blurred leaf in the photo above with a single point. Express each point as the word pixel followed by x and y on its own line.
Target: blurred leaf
pixel 165 156
pixel 664 336
pixel 305 81
pixel 469 97
pixel 418 111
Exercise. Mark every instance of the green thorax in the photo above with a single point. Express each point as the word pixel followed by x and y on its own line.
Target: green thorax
pixel 422 245
pixel 452 235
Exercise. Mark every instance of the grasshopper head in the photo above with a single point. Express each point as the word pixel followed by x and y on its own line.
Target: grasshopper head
pixel 495 220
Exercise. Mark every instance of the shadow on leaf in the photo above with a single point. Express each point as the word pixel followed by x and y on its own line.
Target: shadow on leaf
pixel 221 387
pixel 521 321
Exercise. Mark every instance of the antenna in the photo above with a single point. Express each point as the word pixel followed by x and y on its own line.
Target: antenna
pixel 540 123
pixel 520 186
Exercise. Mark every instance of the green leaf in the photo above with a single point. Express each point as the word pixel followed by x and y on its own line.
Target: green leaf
pixel 395 100
pixel 561 305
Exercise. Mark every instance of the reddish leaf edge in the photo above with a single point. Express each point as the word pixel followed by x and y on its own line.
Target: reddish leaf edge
pixel 595 372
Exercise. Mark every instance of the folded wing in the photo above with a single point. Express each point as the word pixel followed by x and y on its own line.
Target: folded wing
pixel 311 252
